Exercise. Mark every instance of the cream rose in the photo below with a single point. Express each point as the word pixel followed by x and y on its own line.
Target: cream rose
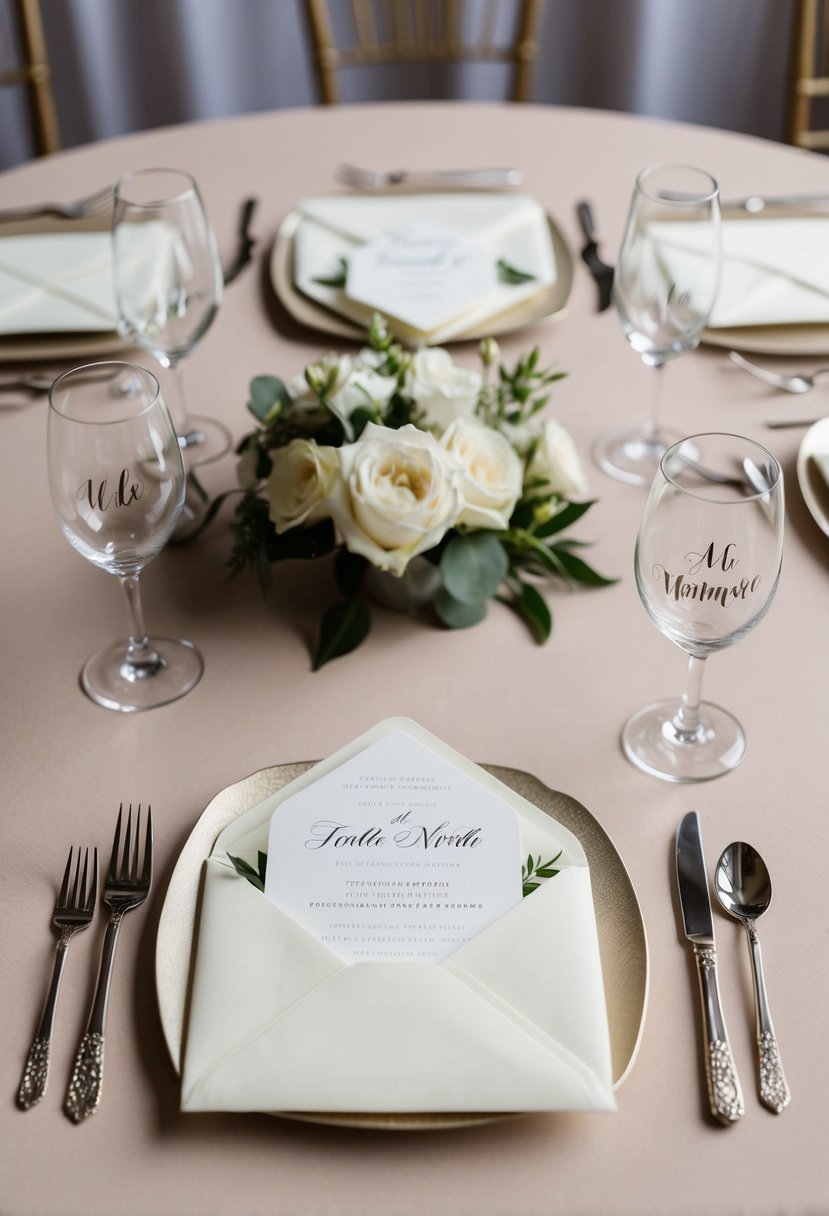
pixel 397 496
pixel 301 479
pixel 331 370
pixel 441 389
pixel 556 464
pixel 492 473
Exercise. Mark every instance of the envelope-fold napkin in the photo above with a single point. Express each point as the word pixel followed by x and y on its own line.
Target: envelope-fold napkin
pixel 57 282
pixel 514 1020
pixel 774 271
pixel 509 227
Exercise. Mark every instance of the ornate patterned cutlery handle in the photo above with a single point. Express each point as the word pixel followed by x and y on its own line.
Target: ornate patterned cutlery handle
pixel 771 1080
pixel 35 1074
pixel 724 1093
pixel 84 1093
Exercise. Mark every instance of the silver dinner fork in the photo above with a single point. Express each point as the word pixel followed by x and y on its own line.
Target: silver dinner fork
pixel 74 909
pixel 126 886
pixel 78 209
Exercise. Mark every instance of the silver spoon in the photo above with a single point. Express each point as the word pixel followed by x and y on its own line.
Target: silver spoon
pixel 800 383
pixel 757 478
pixel 744 890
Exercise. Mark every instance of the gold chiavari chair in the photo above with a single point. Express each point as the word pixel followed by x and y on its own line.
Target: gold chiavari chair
pixel 422 31
pixel 34 73
pixel 808 118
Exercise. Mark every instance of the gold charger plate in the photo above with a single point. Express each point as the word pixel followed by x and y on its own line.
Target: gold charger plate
pixel 622 942
pixel 74 345
pixel 772 339
pixel 308 312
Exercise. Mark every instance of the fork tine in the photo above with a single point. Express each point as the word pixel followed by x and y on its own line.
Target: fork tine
pixel 75 886
pixel 92 893
pixel 80 895
pixel 124 870
pixel 113 857
pixel 64 886
pixel 147 870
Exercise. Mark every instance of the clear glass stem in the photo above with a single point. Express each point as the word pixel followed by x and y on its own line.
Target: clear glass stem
pixel 175 397
pixel 652 426
pixel 687 720
pixel 141 660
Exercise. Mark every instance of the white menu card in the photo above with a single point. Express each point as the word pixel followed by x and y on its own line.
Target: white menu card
pixel 395 856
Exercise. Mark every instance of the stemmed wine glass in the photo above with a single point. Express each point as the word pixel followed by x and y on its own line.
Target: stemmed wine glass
pixel 664 289
pixel 707 564
pixel 168 285
pixel 117 482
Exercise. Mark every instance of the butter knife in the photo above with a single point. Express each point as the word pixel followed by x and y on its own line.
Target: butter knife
pixel 601 272
pixel 724 1093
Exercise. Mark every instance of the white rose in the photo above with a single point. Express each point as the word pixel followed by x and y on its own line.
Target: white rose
pixel 556 463
pixel 364 388
pixel 492 473
pixel 441 389
pixel 301 479
pixel 397 496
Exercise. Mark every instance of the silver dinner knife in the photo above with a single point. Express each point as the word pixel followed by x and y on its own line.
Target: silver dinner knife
pixel 724 1093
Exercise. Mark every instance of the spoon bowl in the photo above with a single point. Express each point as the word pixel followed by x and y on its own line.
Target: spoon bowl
pixel 743 882
pixel 793 383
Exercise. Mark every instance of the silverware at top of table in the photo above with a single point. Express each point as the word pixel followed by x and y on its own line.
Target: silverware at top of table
pixel 73 911
pixel 725 1096
pixel 744 889
pixel 801 382
pixel 246 242
pixel 480 179
pixel 90 204
pixel 601 271
pixel 755 203
pixel 126 886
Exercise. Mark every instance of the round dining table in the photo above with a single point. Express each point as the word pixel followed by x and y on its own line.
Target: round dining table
pixel 490 692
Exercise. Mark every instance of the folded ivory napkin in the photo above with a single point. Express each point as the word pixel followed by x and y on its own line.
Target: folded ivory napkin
pixel 512 228
pixel 774 271
pixel 57 282
pixel 513 1020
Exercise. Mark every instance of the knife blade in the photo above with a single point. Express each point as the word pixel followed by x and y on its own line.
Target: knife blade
pixel 724 1093
pixel 246 242
pixel 601 272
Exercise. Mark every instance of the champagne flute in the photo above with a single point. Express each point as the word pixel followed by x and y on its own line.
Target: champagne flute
pixel 168 285
pixel 664 289
pixel 707 565
pixel 117 483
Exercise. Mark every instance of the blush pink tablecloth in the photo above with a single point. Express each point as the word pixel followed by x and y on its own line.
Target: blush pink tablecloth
pixel 490 692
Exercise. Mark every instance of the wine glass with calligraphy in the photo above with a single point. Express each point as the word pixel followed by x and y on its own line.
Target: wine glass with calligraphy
pixel 117 483
pixel 168 285
pixel 664 289
pixel 707 564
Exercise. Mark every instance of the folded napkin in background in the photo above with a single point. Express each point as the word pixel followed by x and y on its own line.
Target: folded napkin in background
pixel 513 228
pixel 57 282
pixel 774 271
pixel 513 1020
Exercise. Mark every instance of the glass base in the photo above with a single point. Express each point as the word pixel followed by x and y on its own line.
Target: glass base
pixel 110 680
pixel 633 455
pixel 653 743
pixel 203 440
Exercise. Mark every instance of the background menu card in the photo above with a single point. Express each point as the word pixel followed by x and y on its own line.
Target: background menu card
pixel 395 856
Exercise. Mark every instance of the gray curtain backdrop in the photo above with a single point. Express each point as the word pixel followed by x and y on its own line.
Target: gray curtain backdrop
pixel 126 65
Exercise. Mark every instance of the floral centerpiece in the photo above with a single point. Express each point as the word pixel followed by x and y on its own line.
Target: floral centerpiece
pixel 422 477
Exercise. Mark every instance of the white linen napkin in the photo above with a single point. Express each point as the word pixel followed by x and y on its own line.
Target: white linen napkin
pixel 774 271
pixel 513 1020
pixel 56 282
pixel 511 227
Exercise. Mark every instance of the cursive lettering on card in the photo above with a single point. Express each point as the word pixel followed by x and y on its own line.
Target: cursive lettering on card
pixel 103 496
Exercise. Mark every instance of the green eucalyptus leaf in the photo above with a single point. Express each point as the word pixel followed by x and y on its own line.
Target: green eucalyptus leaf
pixel 266 392
pixel 580 571
pixel 338 279
pixel 534 611
pixel 473 566
pixel 344 626
pixel 529 887
pixel 245 870
pixel 563 518
pixel 458 614
pixel 512 275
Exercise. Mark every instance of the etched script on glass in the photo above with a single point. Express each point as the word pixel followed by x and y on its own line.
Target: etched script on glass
pixel 706 598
